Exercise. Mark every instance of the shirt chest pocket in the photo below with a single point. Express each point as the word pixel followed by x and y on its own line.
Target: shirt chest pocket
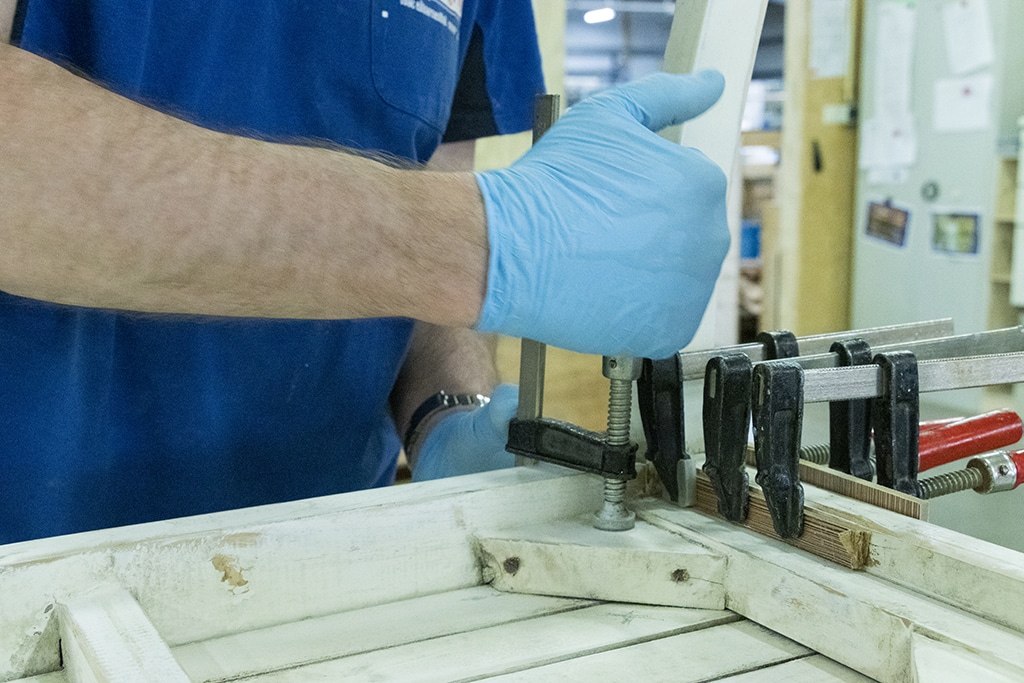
pixel 415 56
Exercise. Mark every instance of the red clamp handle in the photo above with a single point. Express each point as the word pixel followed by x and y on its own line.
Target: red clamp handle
pixel 969 436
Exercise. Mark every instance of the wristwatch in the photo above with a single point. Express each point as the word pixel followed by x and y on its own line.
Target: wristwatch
pixel 440 402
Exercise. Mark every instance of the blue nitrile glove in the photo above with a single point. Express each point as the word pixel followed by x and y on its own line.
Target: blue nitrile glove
pixel 605 237
pixel 468 441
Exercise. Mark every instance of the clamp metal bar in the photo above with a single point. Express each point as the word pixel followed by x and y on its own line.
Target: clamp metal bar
pixel 1006 340
pixel 533 354
pixel 693 363
pixel 842 384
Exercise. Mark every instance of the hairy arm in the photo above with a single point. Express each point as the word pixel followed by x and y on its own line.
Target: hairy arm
pixel 457 360
pixel 111 204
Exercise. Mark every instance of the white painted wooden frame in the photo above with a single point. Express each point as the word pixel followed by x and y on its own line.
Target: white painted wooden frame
pixel 932 600
pixel 722 35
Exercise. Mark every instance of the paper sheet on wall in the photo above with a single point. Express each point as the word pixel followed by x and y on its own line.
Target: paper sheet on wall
pixel 830 38
pixel 894 59
pixel 968 32
pixel 888 142
pixel 963 104
pixel 889 136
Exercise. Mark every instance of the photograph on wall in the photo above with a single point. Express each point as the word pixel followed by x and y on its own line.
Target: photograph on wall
pixel 955 232
pixel 887 222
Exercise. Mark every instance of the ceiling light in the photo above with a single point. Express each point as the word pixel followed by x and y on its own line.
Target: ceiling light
pixel 596 16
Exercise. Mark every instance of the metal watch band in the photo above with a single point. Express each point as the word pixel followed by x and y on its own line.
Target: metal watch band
pixel 439 402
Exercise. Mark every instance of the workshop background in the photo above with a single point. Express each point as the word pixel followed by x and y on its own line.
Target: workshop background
pixel 905 109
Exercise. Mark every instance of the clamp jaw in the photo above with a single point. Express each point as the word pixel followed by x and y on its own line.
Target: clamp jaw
pixel 611 454
pixel 563 443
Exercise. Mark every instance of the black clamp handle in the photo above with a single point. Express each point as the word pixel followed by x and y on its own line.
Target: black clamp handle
pixel 727 397
pixel 660 399
pixel 779 344
pixel 727 383
pixel 850 421
pixel 778 404
pixel 895 414
pixel 563 443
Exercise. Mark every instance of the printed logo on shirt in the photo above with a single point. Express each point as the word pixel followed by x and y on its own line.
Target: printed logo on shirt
pixel 448 13
pixel 454 6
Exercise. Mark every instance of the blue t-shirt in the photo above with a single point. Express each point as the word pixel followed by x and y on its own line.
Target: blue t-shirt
pixel 110 418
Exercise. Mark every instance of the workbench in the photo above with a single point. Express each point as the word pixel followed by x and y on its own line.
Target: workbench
pixel 501 575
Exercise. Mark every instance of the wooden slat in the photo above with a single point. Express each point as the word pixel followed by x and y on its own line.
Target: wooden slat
pixel 889 541
pixel 339 635
pixel 978 577
pixel 835 538
pixel 850 486
pixel 54 677
pixel 938 662
pixel 213 575
pixel 510 647
pixel 710 34
pixel 105 637
pixel 824 535
pixel 864 491
pixel 851 617
pixel 813 669
pixel 705 655
pixel 571 558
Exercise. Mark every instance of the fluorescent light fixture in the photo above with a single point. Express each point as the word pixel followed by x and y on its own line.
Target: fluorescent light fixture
pixel 596 16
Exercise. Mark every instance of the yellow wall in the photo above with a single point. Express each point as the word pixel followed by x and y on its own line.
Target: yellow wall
pixel 808 240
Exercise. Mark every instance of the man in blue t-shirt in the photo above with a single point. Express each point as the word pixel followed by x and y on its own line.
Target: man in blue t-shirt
pixel 270 350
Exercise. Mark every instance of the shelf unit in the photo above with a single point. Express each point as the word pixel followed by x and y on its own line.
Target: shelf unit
pixel 1001 310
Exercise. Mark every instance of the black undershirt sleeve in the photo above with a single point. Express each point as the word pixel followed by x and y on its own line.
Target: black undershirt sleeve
pixel 19 22
pixel 472 116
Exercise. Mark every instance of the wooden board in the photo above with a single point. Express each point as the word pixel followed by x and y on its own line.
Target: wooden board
pixel 214 575
pixel 507 647
pixel 708 654
pixel 336 636
pixel 356 583
pixel 481 634
pixel 646 565
pixel 106 637
pixel 851 617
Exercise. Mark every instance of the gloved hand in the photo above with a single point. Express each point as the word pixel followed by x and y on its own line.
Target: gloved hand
pixel 468 441
pixel 605 237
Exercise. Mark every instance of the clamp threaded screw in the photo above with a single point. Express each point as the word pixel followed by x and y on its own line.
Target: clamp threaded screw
pixel 988 473
pixel 950 482
pixel 620 371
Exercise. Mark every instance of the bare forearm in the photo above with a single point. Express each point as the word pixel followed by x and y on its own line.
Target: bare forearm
pixel 108 203
pixel 458 361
